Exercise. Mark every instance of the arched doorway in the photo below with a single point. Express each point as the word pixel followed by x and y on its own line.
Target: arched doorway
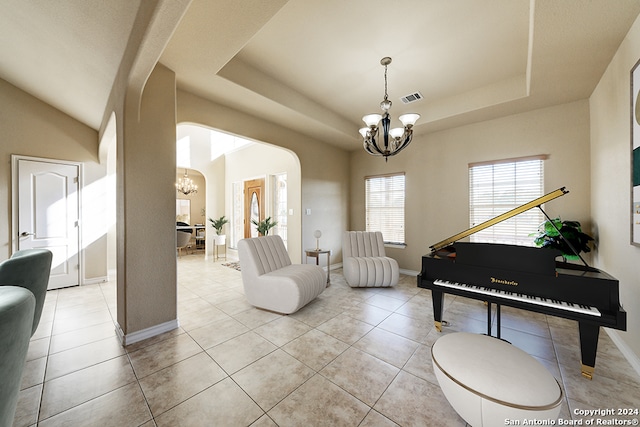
pixel 227 162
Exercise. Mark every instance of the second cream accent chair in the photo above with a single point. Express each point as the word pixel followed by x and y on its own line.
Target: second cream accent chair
pixel 364 261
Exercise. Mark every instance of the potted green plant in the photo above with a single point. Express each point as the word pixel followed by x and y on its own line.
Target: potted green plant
pixel 218 224
pixel 549 237
pixel 264 226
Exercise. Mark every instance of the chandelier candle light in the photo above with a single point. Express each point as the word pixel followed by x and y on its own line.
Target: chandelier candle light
pixel 185 185
pixel 400 137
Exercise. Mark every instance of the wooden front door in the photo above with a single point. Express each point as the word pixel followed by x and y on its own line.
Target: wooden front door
pixel 253 205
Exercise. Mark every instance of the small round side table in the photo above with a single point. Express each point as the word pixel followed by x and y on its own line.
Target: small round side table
pixel 315 253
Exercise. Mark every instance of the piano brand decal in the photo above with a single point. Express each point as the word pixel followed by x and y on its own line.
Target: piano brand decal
pixel 504 282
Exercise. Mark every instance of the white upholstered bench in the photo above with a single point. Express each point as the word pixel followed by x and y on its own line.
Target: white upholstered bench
pixel 270 280
pixel 488 381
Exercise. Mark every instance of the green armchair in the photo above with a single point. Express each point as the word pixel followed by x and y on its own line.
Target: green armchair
pixel 29 268
pixel 17 306
pixel 23 286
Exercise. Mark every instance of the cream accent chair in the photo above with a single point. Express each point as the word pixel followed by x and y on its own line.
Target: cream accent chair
pixel 183 238
pixel 364 262
pixel 271 282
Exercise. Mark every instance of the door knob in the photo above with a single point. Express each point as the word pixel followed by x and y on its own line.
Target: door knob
pixel 25 234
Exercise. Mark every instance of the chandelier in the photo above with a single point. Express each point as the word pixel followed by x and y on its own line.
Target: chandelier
pixel 185 185
pixel 394 140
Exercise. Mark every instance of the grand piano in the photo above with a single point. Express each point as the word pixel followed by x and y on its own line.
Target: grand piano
pixel 528 278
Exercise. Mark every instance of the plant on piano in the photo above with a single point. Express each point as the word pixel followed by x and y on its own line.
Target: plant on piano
pixel 549 237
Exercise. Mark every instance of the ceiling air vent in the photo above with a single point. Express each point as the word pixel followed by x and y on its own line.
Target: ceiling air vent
pixel 408 99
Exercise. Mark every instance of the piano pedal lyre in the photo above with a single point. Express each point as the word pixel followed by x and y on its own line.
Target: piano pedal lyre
pixel 587 371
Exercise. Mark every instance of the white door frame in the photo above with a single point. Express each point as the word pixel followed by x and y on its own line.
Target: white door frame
pixel 15 239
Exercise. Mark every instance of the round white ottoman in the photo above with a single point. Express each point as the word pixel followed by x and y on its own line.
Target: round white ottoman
pixel 489 381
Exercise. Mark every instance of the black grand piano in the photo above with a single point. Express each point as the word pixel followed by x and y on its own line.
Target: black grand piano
pixel 528 278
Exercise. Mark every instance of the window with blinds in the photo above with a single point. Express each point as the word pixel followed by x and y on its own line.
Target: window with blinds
pixel 497 187
pixel 385 206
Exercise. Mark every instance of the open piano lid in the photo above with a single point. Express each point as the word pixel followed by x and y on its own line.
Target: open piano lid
pixel 503 217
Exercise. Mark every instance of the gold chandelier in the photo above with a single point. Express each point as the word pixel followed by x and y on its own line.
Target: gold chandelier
pixel 185 185
pixel 400 137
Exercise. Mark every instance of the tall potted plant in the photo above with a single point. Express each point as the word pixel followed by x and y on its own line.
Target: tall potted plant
pixel 218 224
pixel 549 237
pixel 264 226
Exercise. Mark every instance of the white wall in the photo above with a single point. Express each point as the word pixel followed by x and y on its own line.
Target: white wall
pixel 212 195
pixel 610 107
pixel 262 161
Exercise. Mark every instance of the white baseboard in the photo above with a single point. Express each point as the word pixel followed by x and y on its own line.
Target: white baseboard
pixel 626 351
pixel 95 280
pixel 409 272
pixel 127 339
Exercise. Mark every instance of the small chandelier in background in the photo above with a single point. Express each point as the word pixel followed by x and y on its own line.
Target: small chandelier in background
pixel 400 137
pixel 185 185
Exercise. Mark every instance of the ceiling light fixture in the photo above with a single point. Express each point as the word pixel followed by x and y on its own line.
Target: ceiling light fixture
pixel 400 137
pixel 185 185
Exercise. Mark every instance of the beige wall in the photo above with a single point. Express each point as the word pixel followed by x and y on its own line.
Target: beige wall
pixel 146 172
pixel 32 128
pixel 436 167
pixel 611 179
pixel 325 168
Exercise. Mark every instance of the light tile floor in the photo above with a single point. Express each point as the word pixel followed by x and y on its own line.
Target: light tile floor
pixel 352 357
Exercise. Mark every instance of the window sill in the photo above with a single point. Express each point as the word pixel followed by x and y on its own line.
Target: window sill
pixel 395 245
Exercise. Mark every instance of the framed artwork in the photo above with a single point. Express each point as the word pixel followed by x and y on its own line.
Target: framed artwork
pixel 635 154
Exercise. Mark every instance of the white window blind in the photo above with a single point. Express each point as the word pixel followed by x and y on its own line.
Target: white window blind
pixel 279 183
pixel 237 216
pixel 497 187
pixel 385 206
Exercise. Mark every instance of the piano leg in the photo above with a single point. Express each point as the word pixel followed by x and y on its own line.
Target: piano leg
pixel 488 318
pixel 588 347
pixel 437 299
pixel 499 323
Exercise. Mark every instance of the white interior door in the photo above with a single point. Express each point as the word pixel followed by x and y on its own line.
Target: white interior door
pixel 48 212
